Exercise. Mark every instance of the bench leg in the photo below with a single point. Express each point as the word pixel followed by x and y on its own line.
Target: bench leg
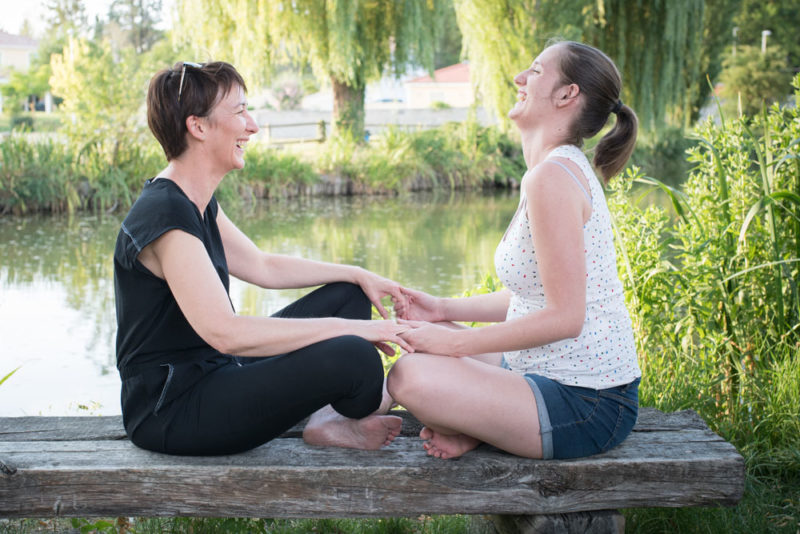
pixel 599 522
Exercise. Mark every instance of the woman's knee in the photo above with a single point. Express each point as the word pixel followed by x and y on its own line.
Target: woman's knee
pixel 408 377
pixel 353 355
pixel 355 303
pixel 357 377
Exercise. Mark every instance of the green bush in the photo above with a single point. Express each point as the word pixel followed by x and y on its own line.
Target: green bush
pixel 752 77
pixel 455 155
pixel 22 123
pixel 268 173
pixel 714 294
pixel 107 173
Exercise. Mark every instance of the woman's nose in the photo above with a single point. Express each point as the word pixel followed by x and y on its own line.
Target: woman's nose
pixel 252 126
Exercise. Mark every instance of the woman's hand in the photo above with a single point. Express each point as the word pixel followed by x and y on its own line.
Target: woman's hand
pixel 432 338
pixel 376 287
pixel 419 306
pixel 380 333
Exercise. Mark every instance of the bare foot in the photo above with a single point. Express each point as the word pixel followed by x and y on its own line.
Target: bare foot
pixel 447 445
pixel 329 429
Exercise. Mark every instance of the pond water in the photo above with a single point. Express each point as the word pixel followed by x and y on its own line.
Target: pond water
pixel 57 319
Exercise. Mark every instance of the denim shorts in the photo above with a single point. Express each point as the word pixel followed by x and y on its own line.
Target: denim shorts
pixel 577 422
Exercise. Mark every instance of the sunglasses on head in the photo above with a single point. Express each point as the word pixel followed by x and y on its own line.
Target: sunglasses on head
pixel 183 73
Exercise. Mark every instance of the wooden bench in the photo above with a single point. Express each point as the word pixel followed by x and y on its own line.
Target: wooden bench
pixel 86 467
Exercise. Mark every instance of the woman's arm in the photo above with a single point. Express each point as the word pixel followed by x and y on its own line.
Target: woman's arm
pixel 276 271
pixel 420 306
pixel 181 259
pixel 557 212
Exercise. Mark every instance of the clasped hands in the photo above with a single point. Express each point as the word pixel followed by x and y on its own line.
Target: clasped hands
pixel 416 312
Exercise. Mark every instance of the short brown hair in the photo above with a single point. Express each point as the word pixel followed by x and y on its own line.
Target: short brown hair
pixel 202 88
pixel 600 84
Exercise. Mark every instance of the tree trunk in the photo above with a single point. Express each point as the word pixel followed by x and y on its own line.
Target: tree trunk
pixel 348 110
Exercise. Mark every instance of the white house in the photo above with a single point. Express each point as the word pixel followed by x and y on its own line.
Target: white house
pixel 16 52
pixel 449 85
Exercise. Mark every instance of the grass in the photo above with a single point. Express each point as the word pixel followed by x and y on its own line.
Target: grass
pixel 181 525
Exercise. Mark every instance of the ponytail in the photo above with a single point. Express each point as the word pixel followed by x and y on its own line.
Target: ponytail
pixel 600 84
pixel 615 148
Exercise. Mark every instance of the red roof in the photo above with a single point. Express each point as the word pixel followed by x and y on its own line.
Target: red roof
pixel 458 73
pixel 17 41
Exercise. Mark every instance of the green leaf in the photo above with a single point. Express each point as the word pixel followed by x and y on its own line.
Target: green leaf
pixel 8 375
pixel 763 202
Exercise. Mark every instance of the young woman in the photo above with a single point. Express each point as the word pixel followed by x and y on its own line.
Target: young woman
pixel 196 377
pixel 557 375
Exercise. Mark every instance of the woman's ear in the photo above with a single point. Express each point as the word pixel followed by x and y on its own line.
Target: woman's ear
pixel 196 127
pixel 568 94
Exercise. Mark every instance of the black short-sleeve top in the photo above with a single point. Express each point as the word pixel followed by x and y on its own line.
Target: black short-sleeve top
pixel 151 329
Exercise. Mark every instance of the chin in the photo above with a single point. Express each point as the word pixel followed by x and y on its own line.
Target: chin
pixel 516 112
pixel 516 118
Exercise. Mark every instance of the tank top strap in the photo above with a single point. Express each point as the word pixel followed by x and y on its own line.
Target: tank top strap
pixel 572 174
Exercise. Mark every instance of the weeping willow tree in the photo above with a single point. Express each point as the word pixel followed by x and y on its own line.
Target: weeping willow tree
pixel 347 42
pixel 657 45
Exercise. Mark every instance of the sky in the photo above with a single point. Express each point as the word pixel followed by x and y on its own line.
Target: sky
pixel 14 12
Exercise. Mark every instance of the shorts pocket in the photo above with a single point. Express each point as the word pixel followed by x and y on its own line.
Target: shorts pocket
pixel 583 405
pixel 625 420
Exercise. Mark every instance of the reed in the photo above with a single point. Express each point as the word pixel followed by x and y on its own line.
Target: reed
pixel 714 298
pixel 455 155
pixel 37 175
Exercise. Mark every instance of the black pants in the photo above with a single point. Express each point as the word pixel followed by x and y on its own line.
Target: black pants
pixel 226 405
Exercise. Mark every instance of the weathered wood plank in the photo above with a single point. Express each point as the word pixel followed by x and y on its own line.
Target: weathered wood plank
pixel 39 428
pixel 84 466
pixel 648 447
pixel 33 428
pixel 287 478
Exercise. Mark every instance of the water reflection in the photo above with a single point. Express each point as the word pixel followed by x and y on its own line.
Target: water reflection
pixel 57 299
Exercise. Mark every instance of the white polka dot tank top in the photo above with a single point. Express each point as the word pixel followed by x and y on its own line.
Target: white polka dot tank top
pixel 604 354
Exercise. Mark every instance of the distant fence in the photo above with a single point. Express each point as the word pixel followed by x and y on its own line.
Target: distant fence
pixel 269 137
pixel 317 132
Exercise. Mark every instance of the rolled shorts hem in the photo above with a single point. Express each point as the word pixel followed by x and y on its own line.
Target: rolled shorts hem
pixel 545 428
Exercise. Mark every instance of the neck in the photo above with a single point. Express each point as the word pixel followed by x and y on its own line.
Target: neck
pixel 536 145
pixel 192 175
pixel 542 136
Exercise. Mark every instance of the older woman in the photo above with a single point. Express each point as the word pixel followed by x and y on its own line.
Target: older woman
pixel 557 375
pixel 196 377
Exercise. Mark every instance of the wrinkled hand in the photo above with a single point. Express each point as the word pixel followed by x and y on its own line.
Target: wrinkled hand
pixel 376 287
pixel 380 333
pixel 428 338
pixel 419 306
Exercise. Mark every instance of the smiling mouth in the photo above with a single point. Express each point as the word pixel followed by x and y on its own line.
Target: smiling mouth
pixel 521 97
